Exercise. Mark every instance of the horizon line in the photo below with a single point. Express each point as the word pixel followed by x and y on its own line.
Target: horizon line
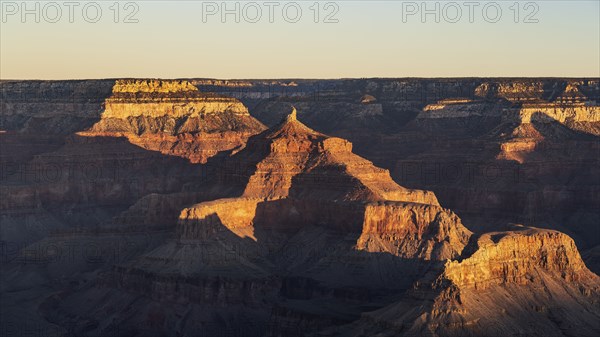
pixel 597 77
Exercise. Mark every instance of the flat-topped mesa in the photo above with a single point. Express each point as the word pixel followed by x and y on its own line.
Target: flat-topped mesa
pixel 165 98
pixel 518 257
pixel 173 117
pixel 528 277
pixel 559 112
pixel 571 106
pixel 292 160
pixel 153 86
pixel 459 108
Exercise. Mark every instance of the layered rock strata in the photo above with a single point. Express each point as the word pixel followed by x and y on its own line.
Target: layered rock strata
pixel 173 117
pixel 526 281
pixel 298 235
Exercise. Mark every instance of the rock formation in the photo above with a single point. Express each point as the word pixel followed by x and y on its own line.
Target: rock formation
pixel 303 185
pixel 365 233
pixel 173 117
pixel 162 207
pixel 523 282
pixel 324 167
pixel 297 177
pixel 495 151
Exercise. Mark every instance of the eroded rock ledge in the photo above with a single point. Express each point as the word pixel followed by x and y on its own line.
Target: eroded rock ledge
pixel 525 281
pixel 160 98
pixel 514 256
pixel 173 117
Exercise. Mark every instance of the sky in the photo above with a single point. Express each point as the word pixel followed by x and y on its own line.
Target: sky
pixel 298 39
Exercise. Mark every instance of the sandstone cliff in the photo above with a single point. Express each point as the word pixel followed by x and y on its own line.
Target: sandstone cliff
pixel 527 281
pixel 74 148
pixel 173 117
pixel 306 223
pixel 413 231
pixel 288 232
pixel 301 187
pixel 140 106
pixel 319 166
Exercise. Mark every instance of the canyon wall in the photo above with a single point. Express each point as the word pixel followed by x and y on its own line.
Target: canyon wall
pixel 495 151
pixel 228 222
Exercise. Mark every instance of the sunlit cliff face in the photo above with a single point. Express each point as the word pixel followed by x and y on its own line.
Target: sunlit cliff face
pixel 337 207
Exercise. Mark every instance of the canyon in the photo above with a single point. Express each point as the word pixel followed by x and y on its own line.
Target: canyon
pixel 354 207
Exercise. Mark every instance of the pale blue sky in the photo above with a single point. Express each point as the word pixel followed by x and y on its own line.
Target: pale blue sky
pixel 370 40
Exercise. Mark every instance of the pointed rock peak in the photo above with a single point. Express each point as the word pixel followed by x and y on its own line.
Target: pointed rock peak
pixel 290 126
pixel 292 116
